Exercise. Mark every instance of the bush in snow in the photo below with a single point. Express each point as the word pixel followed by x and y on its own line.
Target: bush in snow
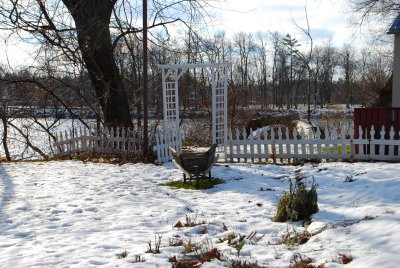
pixel 297 204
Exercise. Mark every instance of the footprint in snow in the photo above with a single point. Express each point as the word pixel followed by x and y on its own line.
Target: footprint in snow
pixel 109 247
pixel 22 234
pixel 94 262
pixel 24 208
pixel 7 245
pixel 57 211
pixel 77 210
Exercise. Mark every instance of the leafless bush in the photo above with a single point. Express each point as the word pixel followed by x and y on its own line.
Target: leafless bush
pixel 157 244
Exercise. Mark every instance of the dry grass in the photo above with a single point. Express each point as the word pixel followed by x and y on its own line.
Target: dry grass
pixel 303 262
pixel 206 256
pixel 239 263
pixel 157 244
pixel 345 259
pixel 189 222
pixel 122 255
pixel 296 238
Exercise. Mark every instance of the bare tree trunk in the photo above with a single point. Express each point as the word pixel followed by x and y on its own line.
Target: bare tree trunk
pixel 4 138
pixel 92 19
pixel 347 78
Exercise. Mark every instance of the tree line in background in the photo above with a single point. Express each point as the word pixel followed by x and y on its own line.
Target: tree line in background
pixel 268 71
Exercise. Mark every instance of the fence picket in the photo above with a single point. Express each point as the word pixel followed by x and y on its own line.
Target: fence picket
pixel 391 138
pixel 295 143
pixel 245 146
pixel 318 142
pixel 310 143
pixel 326 144
pixel 237 143
pixel 265 144
pixel 372 143
pixel 251 143
pixel 303 146
pixel 334 138
pixel 230 142
pixel 258 138
pixel 343 144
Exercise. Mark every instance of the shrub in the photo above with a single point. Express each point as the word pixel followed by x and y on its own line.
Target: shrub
pixel 297 204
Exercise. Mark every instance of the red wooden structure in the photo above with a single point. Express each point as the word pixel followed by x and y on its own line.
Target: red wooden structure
pixel 378 117
pixel 366 117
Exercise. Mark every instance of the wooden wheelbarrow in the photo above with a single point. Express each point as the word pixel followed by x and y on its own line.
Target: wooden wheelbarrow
pixel 195 164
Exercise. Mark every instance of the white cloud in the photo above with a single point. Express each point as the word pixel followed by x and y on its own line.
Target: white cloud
pixel 327 19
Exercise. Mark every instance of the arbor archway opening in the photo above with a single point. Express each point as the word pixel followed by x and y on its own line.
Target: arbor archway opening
pixel 218 77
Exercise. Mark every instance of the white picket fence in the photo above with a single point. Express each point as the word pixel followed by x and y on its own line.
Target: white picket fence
pixel 273 144
pixel 262 145
pixel 164 140
pixel 84 140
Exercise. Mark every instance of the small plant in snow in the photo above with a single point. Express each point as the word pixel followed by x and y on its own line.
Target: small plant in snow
pixel 239 247
pixel 210 255
pixel 175 242
pixel 349 178
pixel 122 255
pixel 189 222
pixel 300 261
pixel 189 247
pixel 157 244
pixel 240 263
pixel 204 252
pixel 345 259
pixel 297 204
pixel 296 238
pixel 138 258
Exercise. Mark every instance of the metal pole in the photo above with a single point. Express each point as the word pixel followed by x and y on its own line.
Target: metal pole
pixel 145 82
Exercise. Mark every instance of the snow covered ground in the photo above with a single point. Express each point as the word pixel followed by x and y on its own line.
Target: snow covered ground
pixel 75 214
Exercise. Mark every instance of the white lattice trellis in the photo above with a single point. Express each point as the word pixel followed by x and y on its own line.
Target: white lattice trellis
pixel 217 73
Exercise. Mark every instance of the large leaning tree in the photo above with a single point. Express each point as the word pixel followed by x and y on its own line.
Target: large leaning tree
pixel 86 33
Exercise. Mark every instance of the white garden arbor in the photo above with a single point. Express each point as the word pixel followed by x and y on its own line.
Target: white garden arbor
pixel 218 75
